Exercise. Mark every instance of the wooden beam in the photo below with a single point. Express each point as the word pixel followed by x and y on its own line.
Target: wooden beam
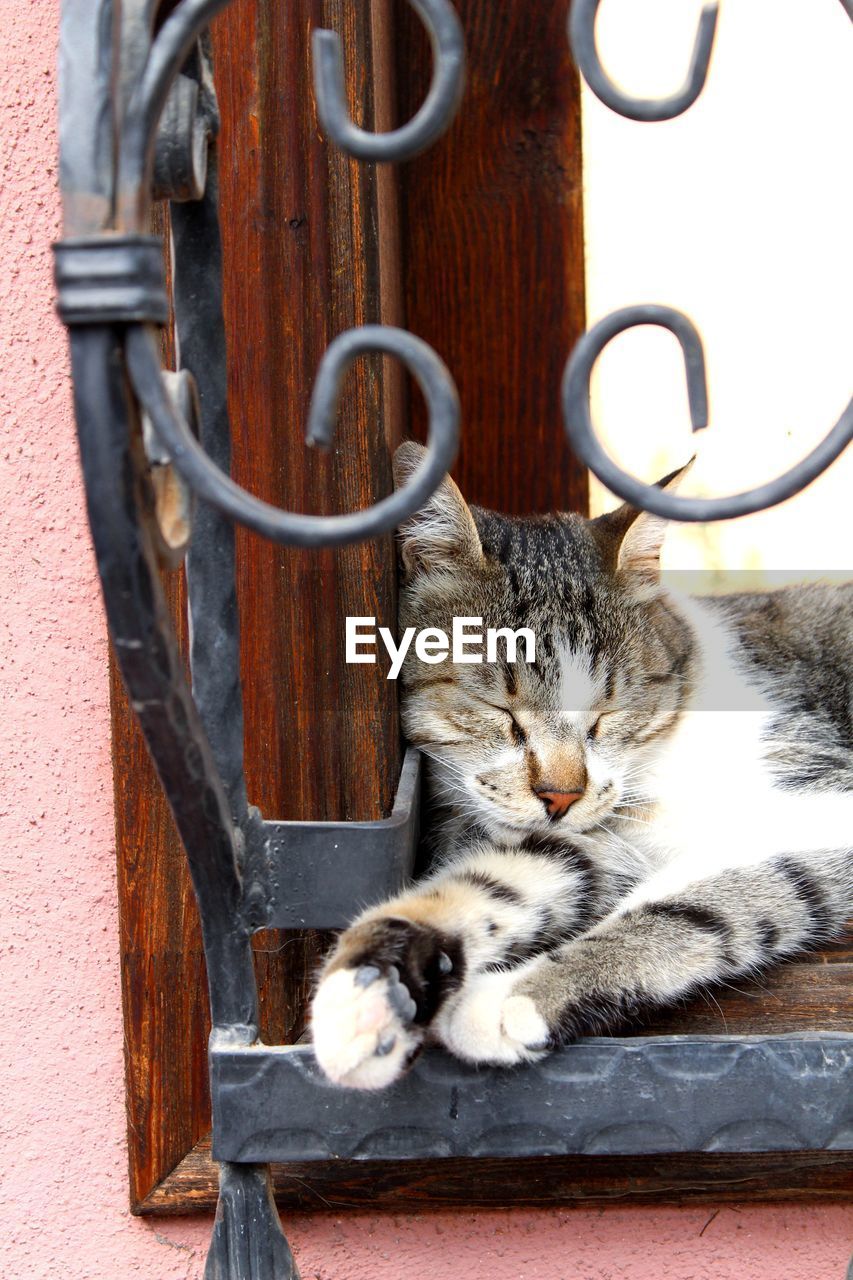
pixel 813 1176
pixel 493 249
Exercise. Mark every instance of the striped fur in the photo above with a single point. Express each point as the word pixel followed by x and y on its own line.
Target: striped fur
pixel 712 744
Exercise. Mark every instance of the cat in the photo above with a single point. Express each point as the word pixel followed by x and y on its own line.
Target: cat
pixel 662 800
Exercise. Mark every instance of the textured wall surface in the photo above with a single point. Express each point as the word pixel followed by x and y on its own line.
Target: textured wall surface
pixel 63 1193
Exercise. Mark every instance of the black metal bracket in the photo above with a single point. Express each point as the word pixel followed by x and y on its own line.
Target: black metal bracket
pixel 111 280
pixel 598 1097
pixel 320 873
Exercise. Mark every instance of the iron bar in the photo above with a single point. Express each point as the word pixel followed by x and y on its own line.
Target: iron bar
pixel 429 123
pixel 166 56
pixel 603 1096
pixel 211 484
pixel 577 416
pixel 211 585
pixel 151 667
pixel 86 116
pixel 582 16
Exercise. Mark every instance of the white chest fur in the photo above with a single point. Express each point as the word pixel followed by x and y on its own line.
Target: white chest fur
pixel 719 805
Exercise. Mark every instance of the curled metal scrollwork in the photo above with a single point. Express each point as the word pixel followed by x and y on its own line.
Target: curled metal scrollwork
pixel 583 439
pixel 212 484
pixel 180 160
pixel 429 123
pixel 582 36
pixel 168 52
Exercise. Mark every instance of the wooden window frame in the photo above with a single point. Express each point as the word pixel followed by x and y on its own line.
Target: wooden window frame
pixel 314 243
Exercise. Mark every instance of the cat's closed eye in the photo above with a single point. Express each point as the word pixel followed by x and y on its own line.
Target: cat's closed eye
pixel 519 736
pixel 596 729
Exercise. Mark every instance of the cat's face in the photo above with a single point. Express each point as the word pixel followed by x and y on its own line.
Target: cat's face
pixel 558 745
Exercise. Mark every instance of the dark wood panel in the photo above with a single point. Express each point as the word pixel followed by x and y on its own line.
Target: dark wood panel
pixel 806 995
pixel 164 986
pixel 302 255
pixel 493 249
pixel 547 1181
pixel 302 248
pixel 163 979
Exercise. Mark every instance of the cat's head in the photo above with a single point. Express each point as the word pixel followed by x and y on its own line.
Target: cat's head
pixel 558 745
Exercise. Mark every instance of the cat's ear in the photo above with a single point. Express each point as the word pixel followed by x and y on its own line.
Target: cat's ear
pixel 635 537
pixel 442 534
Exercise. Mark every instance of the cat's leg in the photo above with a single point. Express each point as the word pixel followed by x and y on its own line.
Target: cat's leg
pixel 653 950
pixel 394 969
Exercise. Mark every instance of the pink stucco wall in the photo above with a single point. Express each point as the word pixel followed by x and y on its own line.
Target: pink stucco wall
pixel 62 1138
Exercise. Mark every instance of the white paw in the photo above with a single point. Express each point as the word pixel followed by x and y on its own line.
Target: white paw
pixel 487 1023
pixel 360 1024
pixel 522 1022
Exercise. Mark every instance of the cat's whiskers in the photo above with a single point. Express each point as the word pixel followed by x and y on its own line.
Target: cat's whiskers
pixel 637 855
pixel 626 817
pixel 454 769
pixel 634 771
pixel 709 999
pixel 466 803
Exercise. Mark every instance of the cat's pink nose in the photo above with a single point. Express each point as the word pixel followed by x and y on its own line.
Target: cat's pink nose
pixel 558 803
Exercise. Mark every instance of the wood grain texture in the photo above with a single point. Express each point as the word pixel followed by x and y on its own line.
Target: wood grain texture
pixel 302 250
pixel 164 985
pixel 814 1176
pixel 493 249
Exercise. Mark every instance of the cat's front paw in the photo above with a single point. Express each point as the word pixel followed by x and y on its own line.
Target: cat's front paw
pixel 489 1022
pixel 361 1022
pixel 383 984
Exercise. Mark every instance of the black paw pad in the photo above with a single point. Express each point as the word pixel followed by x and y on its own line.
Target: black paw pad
pixel 421 964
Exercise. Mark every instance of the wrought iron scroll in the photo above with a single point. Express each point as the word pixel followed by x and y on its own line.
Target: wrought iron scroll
pixel 578 418
pixel 577 413
pixel 211 483
pixel 582 36
pixel 429 123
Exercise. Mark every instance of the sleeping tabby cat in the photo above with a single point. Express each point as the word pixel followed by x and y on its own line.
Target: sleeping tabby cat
pixel 662 800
